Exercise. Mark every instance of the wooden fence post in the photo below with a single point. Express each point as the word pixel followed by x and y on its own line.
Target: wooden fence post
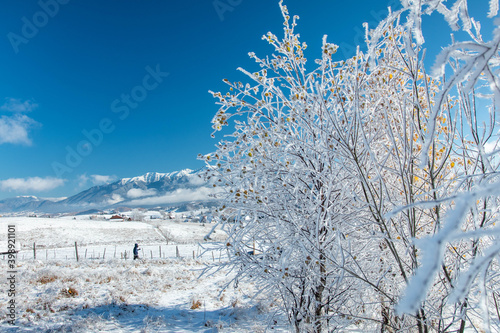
pixel 34 250
pixel 177 251
pixel 104 254
pixel 76 251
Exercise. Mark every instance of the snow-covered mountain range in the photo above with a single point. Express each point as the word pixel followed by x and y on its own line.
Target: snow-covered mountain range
pixel 153 189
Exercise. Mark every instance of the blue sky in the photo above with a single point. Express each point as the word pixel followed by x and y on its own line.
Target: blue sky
pixel 92 91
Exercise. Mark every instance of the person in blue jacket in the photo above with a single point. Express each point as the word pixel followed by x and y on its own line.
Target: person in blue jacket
pixel 136 251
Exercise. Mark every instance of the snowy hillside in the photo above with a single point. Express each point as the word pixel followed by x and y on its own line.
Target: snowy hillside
pixel 174 189
pixel 103 292
pixel 12 204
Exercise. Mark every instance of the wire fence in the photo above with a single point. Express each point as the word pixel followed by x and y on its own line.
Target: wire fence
pixel 205 251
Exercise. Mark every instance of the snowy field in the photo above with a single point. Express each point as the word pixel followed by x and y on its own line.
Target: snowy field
pixel 103 292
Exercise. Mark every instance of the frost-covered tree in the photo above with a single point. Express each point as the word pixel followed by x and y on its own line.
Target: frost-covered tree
pixel 333 176
pixel 464 247
pixel 288 196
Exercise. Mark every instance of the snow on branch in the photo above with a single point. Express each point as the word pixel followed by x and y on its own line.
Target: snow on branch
pixel 433 249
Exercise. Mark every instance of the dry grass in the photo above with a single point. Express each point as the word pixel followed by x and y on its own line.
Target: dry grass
pixel 46 279
pixel 68 279
pixel 195 304
pixel 62 288
pixel 106 280
pixel 69 292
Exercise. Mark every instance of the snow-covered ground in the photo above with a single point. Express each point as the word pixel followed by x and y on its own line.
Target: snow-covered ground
pixel 105 293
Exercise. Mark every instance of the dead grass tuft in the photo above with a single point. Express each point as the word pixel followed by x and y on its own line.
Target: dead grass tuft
pixel 69 292
pixel 68 279
pixel 46 279
pixel 106 280
pixel 195 305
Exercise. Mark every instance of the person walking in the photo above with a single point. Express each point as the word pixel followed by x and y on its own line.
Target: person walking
pixel 136 251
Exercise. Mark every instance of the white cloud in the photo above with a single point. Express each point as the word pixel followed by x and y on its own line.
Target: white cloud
pixel 115 198
pixel 16 105
pixel 94 180
pixel 196 180
pixel 179 195
pixel 14 129
pixel 36 184
pixel 137 193
pixel 102 179
pixel 55 199
pixel 82 180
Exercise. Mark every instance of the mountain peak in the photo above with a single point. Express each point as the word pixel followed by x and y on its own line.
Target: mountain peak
pixel 32 197
pixel 184 172
pixel 151 177
pixel 152 188
pixel 148 177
